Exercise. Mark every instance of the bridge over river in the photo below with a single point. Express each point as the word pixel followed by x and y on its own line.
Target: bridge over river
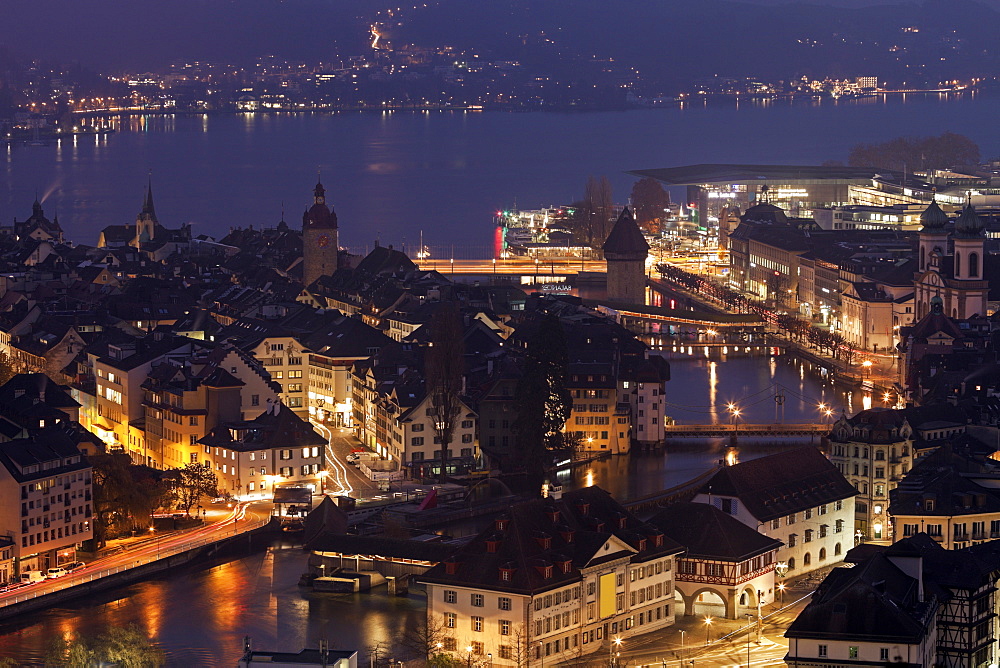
pixel 730 429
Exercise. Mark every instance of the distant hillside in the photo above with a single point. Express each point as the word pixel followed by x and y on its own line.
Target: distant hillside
pixel 676 40
pixel 672 41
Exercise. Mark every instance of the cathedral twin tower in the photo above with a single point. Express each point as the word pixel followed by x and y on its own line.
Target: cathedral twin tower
pixel 320 248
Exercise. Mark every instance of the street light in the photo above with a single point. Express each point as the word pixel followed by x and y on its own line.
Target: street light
pixel 781 593
pixel 708 627
pixel 468 651
pixel 750 618
pixel 613 645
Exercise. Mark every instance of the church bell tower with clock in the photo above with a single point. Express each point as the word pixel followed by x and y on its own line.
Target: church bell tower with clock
pixel 320 250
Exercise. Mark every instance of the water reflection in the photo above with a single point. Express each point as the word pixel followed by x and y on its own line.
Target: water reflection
pixel 199 616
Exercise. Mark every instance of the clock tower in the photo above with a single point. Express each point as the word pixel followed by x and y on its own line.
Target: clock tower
pixel 320 250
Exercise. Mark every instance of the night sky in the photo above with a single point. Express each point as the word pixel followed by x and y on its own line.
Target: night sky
pixel 136 34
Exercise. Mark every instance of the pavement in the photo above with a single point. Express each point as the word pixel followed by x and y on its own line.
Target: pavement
pixel 724 642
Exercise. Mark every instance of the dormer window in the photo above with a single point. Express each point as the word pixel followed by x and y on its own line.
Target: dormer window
pixel 553 515
pixel 642 544
pixel 566 566
pixel 451 567
pixel 501 523
pixel 492 544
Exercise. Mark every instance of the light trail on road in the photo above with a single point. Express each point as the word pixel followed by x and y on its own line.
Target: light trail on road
pixel 338 471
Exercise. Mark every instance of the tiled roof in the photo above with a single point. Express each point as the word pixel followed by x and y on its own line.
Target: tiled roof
pixel 708 533
pixel 782 483
pixel 544 543
pixel 625 237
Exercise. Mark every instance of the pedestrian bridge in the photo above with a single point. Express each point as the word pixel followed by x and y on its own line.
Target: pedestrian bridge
pixel 729 429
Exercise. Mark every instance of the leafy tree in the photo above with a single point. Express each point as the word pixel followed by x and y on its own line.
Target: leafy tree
pixel 444 362
pixel 128 647
pixel 945 151
pixel 543 402
pixel 191 482
pixel 125 495
pixel 649 202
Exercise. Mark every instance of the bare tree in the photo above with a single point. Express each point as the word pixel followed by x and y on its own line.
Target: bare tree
pixel 444 362
pixel 425 640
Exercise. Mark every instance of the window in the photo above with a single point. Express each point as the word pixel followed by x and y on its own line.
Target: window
pixel 506 652
pixel 504 603
pixel 883 653
pixel 477 647
pixel 450 644
pixel 505 627
pixel 477 623
pixel 450 619
pixel 294 374
pixel 790 519
pixel 284 454
pixel 775 524
pixel 450 596
pixel 193 421
pixel 417 427
pixel 822 651
pixel 808 536
pixel 852 651
pixel 791 539
pixel 838 526
pixel 477 600
pixel 417 440
pixel 255 400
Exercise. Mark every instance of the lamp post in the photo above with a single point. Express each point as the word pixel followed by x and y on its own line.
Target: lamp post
pixel 708 627
pixel 781 593
pixel 750 618
pixel 468 656
pixel 614 645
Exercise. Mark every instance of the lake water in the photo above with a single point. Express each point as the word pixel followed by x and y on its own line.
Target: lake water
pixel 391 176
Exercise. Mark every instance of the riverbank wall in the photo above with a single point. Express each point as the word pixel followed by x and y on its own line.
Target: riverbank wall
pixel 125 575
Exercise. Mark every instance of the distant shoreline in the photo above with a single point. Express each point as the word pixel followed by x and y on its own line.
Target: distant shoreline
pixel 664 103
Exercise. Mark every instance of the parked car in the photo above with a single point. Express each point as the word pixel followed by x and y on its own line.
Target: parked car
pixel 28 577
pixel 56 572
pixel 73 566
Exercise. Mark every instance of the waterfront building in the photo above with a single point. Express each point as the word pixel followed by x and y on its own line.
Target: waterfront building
pixel 45 498
pixel 275 449
pixel 322 657
pixel 796 497
pixel 320 247
pixel 626 251
pixel 912 603
pixel 875 448
pixel 724 561
pixel 876 302
pixel 553 580
pixel 951 495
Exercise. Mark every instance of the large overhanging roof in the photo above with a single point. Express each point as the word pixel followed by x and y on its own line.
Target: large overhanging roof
pixel 721 174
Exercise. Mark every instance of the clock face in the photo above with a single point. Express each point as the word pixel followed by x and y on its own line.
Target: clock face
pixel 323 241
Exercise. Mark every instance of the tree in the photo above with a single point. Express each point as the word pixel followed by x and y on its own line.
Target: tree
pixel 424 641
pixel 543 402
pixel 128 647
pixel 191 482
pixel 945 151
pixel 649 204
pixel 125 495
pixel 444 361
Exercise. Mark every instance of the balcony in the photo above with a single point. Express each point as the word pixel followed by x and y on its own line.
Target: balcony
pixel 937 537
pixel 979 535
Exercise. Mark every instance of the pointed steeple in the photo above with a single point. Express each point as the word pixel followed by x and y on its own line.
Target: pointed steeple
pixel 147 202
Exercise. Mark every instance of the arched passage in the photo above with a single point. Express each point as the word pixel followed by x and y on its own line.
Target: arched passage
pixel 710 602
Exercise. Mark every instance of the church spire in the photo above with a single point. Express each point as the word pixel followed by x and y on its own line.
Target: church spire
pixel 147 202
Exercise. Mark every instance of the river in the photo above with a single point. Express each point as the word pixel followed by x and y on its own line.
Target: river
pixel 392 176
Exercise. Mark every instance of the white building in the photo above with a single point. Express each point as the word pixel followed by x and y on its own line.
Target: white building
pixel 797 497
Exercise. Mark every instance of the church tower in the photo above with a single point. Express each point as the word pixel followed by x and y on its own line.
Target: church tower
pixel 145 222
pixel 320 250
pixel 933 236
pixel 626 251
pixel 967 270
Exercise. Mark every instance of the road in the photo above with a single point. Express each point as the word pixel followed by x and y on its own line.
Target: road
pixel 239 519
pixel 343 479
pixel 665 649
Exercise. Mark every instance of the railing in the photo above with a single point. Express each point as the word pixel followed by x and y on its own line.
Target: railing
pixel 165 552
